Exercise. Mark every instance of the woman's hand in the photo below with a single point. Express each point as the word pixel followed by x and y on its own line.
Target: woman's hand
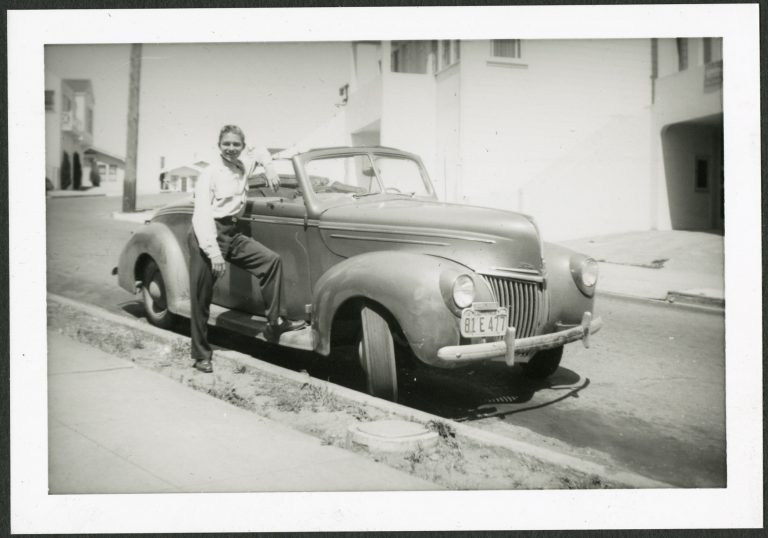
pixel 218 266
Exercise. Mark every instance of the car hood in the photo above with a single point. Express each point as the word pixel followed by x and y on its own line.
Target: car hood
pixel 480 238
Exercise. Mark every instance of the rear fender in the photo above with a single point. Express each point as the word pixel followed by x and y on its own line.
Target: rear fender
pixel 157 241
pixel 414 288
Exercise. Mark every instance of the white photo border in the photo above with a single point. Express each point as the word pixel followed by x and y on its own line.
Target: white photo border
pixel 738 505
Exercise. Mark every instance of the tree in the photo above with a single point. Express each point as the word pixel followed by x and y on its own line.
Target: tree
pixel 77 172
pixel 66 171
pixel 94 176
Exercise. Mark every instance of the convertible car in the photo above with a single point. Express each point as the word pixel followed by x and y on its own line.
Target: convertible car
pixel 371 260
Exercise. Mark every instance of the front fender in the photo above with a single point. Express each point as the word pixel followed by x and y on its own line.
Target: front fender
pixel 566 302
pixel 408 286
pixel 157 241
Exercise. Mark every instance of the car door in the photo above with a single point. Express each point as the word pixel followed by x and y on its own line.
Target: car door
pixel 277 221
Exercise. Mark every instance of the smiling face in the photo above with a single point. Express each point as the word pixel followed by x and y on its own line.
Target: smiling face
pixel 231 145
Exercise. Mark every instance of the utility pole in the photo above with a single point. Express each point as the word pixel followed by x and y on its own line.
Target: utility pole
pixel 129 184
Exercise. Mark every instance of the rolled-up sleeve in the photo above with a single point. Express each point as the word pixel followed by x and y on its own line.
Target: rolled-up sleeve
pixel 262 157
pixel 202 217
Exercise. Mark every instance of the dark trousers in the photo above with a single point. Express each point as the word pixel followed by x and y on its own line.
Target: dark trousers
pixel 241 251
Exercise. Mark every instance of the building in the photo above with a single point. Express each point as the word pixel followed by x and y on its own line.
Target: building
pixel 69 108
pixel 110 167
pixel 181 178
pixel 589 136
pixel 687 133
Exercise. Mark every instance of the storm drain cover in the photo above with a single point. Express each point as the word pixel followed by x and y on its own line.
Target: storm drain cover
pixel 392 435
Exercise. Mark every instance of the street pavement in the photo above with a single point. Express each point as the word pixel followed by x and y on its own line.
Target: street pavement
pixel 668 265
pixel 650 391
pixel 116 428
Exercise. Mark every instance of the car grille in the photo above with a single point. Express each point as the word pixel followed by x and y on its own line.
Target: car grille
pixel 522 298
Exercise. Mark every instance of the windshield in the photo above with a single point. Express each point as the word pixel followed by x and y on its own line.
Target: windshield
pixel 359 176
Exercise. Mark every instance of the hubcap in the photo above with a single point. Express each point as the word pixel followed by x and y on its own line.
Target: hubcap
pixel 155 290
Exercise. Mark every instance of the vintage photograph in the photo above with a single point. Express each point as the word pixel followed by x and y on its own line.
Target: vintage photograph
pixel 428 264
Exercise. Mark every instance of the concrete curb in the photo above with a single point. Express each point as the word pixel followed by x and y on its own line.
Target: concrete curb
pixel 682 304
pixel 73 194
pixel 627 478
pixel 678 297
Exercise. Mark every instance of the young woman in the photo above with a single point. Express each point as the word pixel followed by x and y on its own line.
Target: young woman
pixel 220 196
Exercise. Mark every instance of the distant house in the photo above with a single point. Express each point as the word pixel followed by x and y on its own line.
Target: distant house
pixel 111 169
pixel 181 178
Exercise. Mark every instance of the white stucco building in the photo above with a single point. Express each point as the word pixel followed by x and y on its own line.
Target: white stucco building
pixel 69 151
pixel 68 130
pixel 589 136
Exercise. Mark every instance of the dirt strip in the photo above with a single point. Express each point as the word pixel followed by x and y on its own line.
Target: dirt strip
pixel 465 457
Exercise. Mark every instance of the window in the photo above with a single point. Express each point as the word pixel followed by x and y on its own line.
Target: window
pixel 445 56
pixel 66 104
pixel 112 170
pixel 102 169
pixel 702 174
pixel 682 54
pixel 707 50
pixel 448 53
pixel 49 99
pixel 712 49
pixel 347 175
pixel 506 48
pixel 89 120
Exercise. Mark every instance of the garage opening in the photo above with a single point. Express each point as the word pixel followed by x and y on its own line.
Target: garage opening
pixel 693 167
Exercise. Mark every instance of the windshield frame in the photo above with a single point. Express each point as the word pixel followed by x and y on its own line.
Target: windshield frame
pixel 316 205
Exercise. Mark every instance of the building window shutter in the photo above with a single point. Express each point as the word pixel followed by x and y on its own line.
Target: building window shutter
pixel 707 49
pixel 682 54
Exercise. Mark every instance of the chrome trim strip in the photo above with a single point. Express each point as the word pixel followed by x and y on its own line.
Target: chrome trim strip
pixel 510 275
pixel 384 240
pixel 296 221
pixel 516 270
pixel 174 211
pixel 379 229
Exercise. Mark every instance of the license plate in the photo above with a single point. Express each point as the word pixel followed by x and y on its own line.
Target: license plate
pixel 480 324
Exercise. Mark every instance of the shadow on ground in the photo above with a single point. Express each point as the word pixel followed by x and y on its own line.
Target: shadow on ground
pixel 490 390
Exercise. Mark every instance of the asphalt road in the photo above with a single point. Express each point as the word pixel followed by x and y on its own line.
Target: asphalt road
pixel 649 394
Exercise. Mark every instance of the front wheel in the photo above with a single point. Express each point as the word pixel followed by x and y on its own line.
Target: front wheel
pixel 376 352
pixel 544 363
pixel 154 297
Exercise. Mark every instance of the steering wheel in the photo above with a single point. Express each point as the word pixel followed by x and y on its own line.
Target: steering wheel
pixel 393 189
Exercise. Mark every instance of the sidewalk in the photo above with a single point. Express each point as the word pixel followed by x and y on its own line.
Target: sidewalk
pixel 116 428
pixel 671 265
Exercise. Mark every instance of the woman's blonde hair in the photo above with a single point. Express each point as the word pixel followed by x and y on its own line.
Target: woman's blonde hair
pixel 232 129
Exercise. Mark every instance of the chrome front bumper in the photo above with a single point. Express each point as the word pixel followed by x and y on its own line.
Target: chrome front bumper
pixel 509 346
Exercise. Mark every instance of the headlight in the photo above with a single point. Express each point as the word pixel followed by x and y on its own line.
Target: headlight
pixel 584 272
pixel 589 272
pixel 463 291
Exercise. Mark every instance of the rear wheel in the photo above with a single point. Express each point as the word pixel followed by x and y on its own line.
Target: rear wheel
pixel 154 297
pixel 544 363
pixel 376 352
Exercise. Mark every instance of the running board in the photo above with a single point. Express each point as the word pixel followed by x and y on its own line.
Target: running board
pixel 250 325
